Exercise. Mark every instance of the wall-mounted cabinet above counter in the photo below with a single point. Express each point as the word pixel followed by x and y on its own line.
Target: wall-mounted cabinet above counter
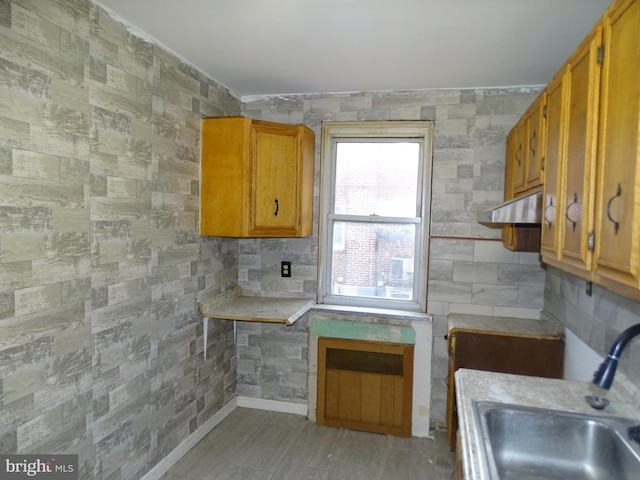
pixel 592 197
pixel 524 166
pixel 257 178
pixel 588 153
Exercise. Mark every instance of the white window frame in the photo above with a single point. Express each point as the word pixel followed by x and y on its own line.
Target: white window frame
pixel 332 132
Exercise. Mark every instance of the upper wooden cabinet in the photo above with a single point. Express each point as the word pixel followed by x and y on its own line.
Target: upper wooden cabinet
pixel 576 189
pixel 523 173
pixel 591 224
pixel 518 156
pixel 617 215
pixel 508 230
pixel 536 134
pixel 525 157
pixel 257 178
pixel 555 155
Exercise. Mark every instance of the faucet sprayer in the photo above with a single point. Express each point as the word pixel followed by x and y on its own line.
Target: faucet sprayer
pixel 603 377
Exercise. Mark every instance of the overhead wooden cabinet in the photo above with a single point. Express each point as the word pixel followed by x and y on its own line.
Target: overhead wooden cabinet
pixel 617 212
pixel 527 157
pixel 593 229
pixel 519 153
pixel 579 167
pixel 509 232
pixel 536 121
pixel 555 155
pixel 257 178
pixel 575 191
pixel 523 173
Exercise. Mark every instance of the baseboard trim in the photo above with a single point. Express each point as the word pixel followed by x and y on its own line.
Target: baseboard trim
pixel 188 443
pixel 273 405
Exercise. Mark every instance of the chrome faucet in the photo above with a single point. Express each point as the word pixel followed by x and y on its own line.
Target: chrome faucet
pixel 603 376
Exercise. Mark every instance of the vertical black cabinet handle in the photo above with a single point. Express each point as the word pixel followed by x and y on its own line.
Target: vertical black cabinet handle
pixel 277 206
pixel 566 213
pixel 616 225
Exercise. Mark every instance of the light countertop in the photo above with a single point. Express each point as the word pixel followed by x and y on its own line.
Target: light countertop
pixel 508 325
pixel 476 385
pixel 232 305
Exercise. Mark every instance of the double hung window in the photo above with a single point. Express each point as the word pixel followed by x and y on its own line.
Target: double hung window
pixel 374 219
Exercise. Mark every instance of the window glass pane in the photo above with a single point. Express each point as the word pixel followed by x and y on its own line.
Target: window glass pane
pixel 377 178
pixel 375 260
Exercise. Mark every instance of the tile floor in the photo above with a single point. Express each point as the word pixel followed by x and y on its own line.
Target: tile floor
pixel 259 445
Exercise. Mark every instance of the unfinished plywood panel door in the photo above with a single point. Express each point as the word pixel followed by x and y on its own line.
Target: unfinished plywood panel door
pixel 365 385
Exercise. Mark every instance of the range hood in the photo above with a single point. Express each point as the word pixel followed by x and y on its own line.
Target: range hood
pixel 527 209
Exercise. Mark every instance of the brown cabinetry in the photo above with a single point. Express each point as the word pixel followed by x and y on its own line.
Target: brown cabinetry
pixel 365 385
pixel 541 356
pixel 519 159
pixel 617 215
pixel 523 172
pixel 577 188
pixel 555 153
pixel 536 122
pixel 257 178
pixel 509 232
pixel 591 225
pixel 529 142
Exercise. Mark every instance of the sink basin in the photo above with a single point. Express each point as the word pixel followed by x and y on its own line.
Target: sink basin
pixel 528 443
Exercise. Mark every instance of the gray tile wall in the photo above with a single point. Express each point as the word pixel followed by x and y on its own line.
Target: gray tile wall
pixel 101 263
pixel 272 361
pixel 100 258
pixel 469 270
pixel 597 319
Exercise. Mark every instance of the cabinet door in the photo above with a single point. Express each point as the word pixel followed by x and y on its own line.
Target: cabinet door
pixel 555 154
pixel 617 223
pixel 508 230
pixel 257 178
pixel 275 168
pixel 519 160
pixel 520 238
pixel 535 142
pixel 224 176
pixel 579 168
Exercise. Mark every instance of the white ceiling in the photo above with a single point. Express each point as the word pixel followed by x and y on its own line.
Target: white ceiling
pixel 265 47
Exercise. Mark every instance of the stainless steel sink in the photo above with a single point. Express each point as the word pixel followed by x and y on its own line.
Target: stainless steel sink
pixel 527 443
